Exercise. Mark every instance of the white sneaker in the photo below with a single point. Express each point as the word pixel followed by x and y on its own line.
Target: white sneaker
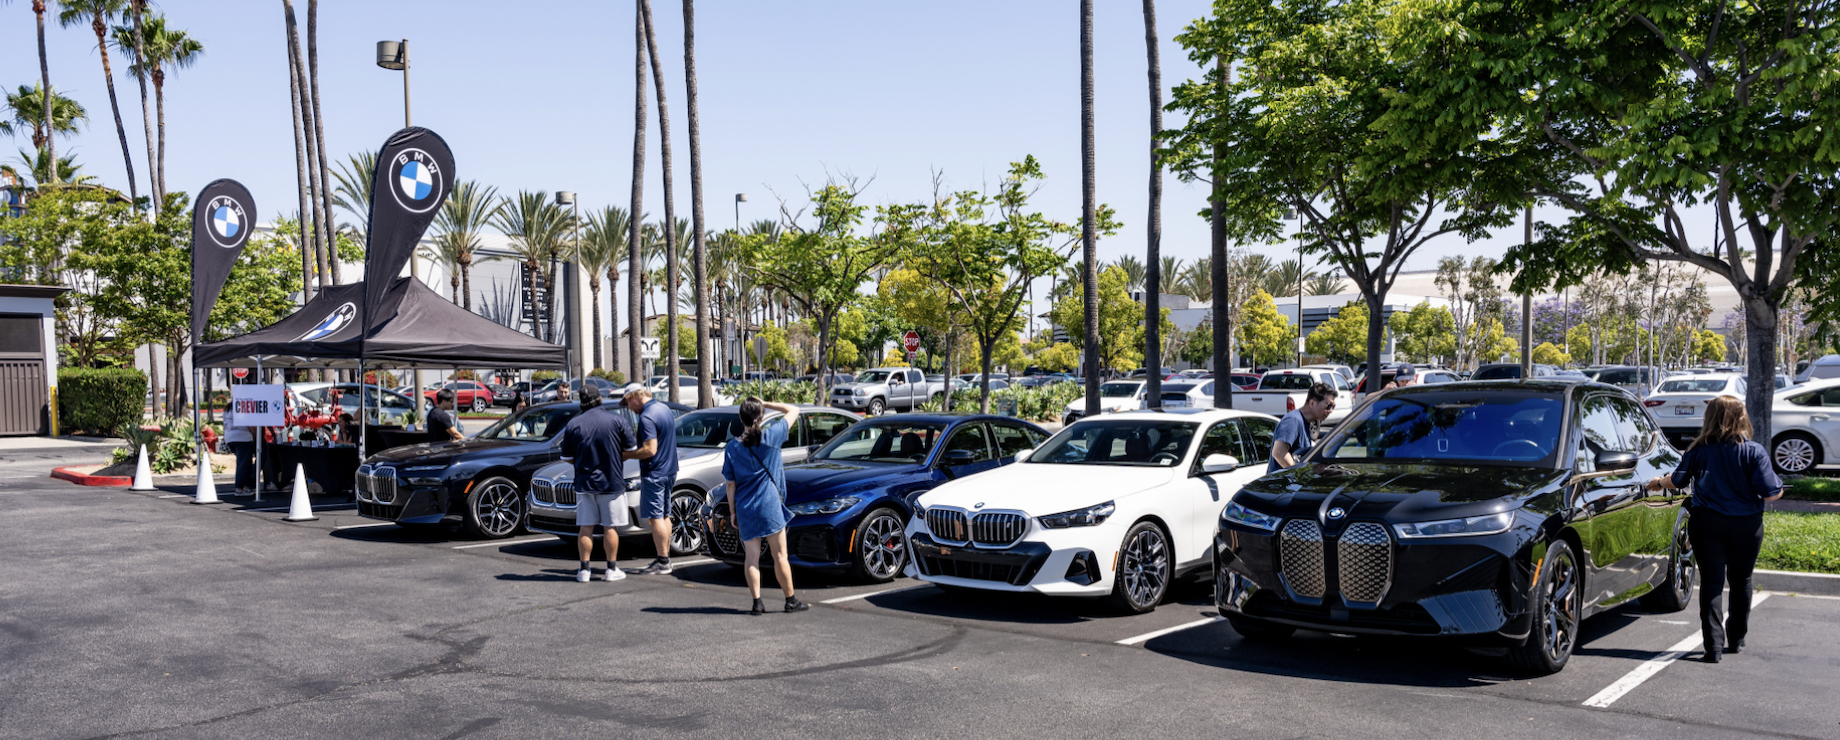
pixel 583 575
pixel 616 574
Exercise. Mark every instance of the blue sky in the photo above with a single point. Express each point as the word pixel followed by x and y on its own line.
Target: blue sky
pixel 539 96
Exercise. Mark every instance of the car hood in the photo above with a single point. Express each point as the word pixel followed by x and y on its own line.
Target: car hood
pixel 429 453
pixel 1038 488
pixel 824 479
pixel 1397 493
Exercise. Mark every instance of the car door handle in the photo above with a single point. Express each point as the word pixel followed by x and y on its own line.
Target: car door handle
pixel 1819 417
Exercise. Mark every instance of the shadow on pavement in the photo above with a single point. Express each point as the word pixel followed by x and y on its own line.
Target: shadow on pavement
pixel 696 610
pixel 554 576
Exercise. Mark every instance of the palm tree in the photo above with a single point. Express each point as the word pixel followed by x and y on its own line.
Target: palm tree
pixel 633 309
pixel 446 250
pixel 470 207
pixel 100 13
pixel 25 108
pixel 38 165
pixel 44 73
pixel 1162 273
pixel 1171 274
pixel 157 50
pixel 602 250
pixel 138 10
pixel 700 269
pixel 1323 283
pixel 1089 236
pixel 303 188
pixel 670 217
pixel 1133 272
pixel 1285 280
pixel 1198 280
pixel 309 159
pixel 353 193
pixel 322 174
pixel 536 227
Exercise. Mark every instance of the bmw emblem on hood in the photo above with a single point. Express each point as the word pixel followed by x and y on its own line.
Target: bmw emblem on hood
pixel 978 505
pixel 418 185
pixel 1337 513
pixel 338 319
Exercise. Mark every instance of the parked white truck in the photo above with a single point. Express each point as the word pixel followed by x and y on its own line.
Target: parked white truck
pixel 1282 391
pixel 882 388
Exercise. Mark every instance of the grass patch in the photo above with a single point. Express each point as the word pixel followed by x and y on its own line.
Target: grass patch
pixel 1813 489
pixel 1809 543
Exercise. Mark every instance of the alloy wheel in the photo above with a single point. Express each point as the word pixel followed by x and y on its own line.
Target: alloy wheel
pixel 1559 608
pixel 686 523
pixel 1683 566
pixel 498 510
pixel 1794 454
pixel 1146 567
pixel 884 546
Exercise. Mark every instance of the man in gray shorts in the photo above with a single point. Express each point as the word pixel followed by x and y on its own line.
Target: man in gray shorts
pixel 594 441
pixel 657 456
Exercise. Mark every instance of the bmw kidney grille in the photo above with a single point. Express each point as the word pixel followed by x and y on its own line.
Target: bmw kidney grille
pixel 1364 560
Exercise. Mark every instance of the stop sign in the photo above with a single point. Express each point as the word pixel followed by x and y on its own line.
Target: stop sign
pixel 241 372
pixel 911 341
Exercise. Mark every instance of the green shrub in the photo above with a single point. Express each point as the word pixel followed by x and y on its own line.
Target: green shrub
pixel 100 400
pixel 169 448
pixel 772 390
pixel 544 376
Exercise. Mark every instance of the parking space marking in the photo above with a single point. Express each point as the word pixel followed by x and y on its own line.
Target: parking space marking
pixel 698 561
pixel 315 508
pixel 1799 595
pixel 501 543
pixel 372 524
pixel 1648 669
pixel 1148 636
pixel 175 495
pixel 842 599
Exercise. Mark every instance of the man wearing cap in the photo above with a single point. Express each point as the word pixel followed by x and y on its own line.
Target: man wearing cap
pixel 657 456
pixel 1403 377
pixel 596 441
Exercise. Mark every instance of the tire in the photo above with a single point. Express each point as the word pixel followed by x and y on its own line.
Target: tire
pixel 1558 607
pixel 1259 629
pixel 1675 592
pixel 479 405
pixel 495 508
pixel 1795 453
pixel 876 405
pixel 880 550
pixel 686 522
pixel 1142 577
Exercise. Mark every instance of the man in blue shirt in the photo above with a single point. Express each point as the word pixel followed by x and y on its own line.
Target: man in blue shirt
pixel 1293 439
pixel 657 456
pixel 596 442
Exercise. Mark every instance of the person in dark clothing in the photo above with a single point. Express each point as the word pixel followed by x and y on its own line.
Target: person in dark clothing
pixel 1731 478
pixel 441 424
pixel 595 441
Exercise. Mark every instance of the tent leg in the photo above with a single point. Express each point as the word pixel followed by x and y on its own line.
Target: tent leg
pixel 259 434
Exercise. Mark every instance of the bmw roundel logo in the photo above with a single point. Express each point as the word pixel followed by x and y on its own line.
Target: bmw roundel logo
pixel 978 505
pixel 338 319
pixel 1337 513
pixel 225 220
pixel 418 181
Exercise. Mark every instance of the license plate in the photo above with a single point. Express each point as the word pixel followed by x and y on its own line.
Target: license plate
pixel 1683 410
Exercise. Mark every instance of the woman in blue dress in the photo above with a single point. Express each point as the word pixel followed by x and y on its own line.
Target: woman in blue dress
pixel 757 493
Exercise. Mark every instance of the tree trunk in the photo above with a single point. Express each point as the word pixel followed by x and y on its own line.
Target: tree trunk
pixel 613 309
pixel 466 281
pixel 453 287
pixel 549 301
pixel 154 187
pixel 635 269
pixel 670 217
pixel 159 114
pixel 1089 237
pixel 1153 259
pixel 154 388
pixel 594 288
pixel 44 73
pixel 321 244
pixel 1761 317
pixel 824 359
pixel 300 156
pixel 985 346
pixel 705 375
pixel 108 76
pixel 324 174
pixel 1376 328
pixel 1220 267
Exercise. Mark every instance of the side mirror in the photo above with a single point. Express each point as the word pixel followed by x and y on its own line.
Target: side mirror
pixel 1024 454
pixel 1218 463
pixel 1615 461
pixel 955 458
pixel 813 449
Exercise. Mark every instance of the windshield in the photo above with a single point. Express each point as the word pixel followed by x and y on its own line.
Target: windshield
pixel 707 430
pixel 1182 388
pixel 1693 386
pixel 1146 442
pixel 1468 426
pixel 1119 390
pixel 1498 372
pixel 532 425
pixel 883 441
pixel 1289 382
pixel 872 376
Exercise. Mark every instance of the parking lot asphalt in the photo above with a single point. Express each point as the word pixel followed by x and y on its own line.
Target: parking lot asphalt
pixel 129 614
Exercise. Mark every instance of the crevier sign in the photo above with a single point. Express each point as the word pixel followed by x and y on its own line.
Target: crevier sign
pixel 257 405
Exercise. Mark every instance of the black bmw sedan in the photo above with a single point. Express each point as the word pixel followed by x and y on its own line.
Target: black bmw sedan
pixel 1498 512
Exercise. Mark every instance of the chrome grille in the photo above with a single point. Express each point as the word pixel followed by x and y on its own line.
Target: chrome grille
pixel 997 529
pixel 542 492
pixel 565 492
pixel 726 540
pixel 377 484
pixel 948 525
pixel 1364 557
pixel 1300 557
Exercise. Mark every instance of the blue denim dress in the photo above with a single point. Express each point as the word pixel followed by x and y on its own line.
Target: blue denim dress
pixel 760 482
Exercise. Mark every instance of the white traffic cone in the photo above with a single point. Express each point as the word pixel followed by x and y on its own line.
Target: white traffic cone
pixel 301 508
pixel 207 483
pixel 143 473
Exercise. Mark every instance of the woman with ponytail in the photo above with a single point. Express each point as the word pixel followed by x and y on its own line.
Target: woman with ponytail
pixel 757 493
pixel 1731 478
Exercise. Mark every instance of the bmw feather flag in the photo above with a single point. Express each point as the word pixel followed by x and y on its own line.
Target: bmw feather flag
pixel 415 171
pixel 221 221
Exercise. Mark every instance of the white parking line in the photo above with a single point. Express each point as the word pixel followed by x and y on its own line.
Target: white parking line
pixel 1653 666
pixel 1148 636
pixel 501 543
pixel 316 508
pixel 1802 596
pixel 698 561
pixel 372 524
pixel 174 495
pixel 842 599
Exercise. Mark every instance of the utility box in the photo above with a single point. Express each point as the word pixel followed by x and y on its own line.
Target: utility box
pixel 28 359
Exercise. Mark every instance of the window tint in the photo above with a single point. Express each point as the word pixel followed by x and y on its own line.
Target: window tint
pixel 1285 383
pixel 795 437
pixel 1632 425
pixel 1340 383
pixel 971 438
pixel 914 376
pixel 822 427
pixel 538 424
pixel 1260 435
pixel 1597 430
pixel 1224 438
pixel 1010 439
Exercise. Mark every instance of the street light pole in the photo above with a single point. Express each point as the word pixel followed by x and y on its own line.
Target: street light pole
pixel 739 199
pixel 567 198
pixel 394 55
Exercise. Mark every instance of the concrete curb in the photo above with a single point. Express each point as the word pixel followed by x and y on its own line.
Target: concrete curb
pixel 1821 584
pixel 84 479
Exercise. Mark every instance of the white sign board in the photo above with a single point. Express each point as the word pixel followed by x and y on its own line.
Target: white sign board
pixel 257 405
pixel 648 348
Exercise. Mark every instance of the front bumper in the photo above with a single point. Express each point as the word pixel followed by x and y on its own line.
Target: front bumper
pixel 813 541
pixel 853 403
pixel 420 505
pixel 1061 562
pixel 1470 587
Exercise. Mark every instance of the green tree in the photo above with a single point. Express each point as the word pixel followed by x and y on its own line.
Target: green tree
pixel 1474 298
pixel 1547 354
pixel 539 232
pixel 1120 326
pixel 99 14
pixel 26 108
pixel 1708 346
pixel 1266 333
pixel 154 51
pixel 464 216
pixel 1199 347
pixel 1424 333
pixel 602 249
pixel 1343 338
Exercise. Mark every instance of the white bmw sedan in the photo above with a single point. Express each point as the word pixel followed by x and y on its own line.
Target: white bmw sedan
pixel 1116 505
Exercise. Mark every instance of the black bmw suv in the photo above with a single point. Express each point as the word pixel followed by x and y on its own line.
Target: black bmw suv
pixel 1498 512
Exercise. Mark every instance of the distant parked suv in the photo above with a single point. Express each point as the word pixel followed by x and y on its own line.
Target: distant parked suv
pixel 878 389
pixel 468 394
pixel 1511 371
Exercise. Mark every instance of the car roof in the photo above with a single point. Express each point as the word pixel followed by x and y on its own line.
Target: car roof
pixel 1197 414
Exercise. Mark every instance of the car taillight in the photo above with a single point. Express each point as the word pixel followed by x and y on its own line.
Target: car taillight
pixel 1651 403
pixel 1290 404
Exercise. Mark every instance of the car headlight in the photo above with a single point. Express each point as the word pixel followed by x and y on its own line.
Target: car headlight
pixel 1237 514
pixel 1489 524
pixel 1090 516
pixel 827 506
pixel 858 391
